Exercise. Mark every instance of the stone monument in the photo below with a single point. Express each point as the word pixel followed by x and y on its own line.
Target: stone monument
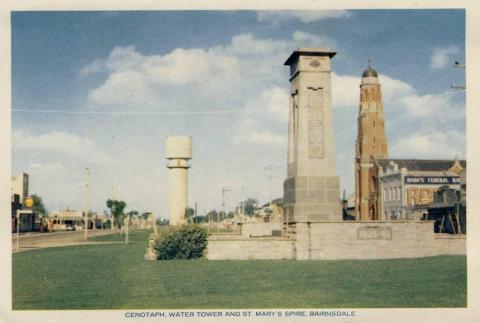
pixel 311 190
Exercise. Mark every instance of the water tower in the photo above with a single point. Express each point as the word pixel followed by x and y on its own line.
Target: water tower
pixel 178 151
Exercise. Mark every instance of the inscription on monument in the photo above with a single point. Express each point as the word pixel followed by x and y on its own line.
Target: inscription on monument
pixel 374 233
pixel 315 123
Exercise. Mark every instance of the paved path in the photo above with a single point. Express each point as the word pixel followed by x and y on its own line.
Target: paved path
pixel 35 240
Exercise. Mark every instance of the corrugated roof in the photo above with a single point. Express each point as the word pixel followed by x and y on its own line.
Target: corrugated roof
pixel 432 173
pixel 421 164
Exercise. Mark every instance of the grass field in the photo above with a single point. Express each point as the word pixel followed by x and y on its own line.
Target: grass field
pixel 115 276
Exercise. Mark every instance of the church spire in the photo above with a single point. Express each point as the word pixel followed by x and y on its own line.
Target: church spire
pixel 371 145
pixel 370 72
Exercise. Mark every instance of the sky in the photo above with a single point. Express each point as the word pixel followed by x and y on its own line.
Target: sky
pixel 103 90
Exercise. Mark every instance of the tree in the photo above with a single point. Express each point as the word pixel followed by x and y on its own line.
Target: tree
pixel 116 209
pixel 132 214
pixel 212 216
pixel 145 215
pixel 38 206
pixel 162 222
pixel 249 206
pixel 200 219
pixel 189 213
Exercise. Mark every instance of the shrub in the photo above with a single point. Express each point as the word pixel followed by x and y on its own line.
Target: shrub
pixel 181 242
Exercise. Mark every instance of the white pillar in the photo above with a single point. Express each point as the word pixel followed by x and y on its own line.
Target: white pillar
pixel 178 195
pixel 178 152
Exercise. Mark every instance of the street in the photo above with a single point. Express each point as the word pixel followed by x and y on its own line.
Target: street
pixel 33 240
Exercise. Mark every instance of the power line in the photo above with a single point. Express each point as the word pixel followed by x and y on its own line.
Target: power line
pixel 145 113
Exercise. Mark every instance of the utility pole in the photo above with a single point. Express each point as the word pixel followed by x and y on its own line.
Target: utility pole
pixel 87 203
pixel 112 224
pixel 269 169
pixel 224 190
pixel 127 219
pixel 242 204
pixel 208 223
pixel 18 228
pixel 454 86
pixel 195 214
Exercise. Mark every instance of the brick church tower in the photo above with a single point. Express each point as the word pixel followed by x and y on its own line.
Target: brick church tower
pixel 371 144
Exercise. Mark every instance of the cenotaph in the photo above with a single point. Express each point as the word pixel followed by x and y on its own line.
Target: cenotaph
pixel 311 190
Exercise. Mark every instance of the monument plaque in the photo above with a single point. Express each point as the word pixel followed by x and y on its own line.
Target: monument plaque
pixel 315 123
pixel 374 233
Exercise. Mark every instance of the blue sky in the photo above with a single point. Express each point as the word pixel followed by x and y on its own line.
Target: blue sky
pixel 123 81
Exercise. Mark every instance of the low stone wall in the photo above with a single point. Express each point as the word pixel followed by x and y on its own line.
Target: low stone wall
pixel 243 248
pixel 260 229
pixel 372 240
pixel 451 244
pixel 340 240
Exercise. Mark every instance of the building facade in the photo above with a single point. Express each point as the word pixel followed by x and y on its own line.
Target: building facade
pixel 371 144
pixel 407 186
pixel 19 186
pixel 28 221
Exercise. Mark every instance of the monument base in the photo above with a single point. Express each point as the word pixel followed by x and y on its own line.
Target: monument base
pixel 312 199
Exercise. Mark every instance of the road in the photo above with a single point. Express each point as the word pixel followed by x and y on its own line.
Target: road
pixel 35 240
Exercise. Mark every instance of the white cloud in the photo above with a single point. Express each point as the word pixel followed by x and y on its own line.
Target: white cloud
pixel 306 16
pixel 266 137
pixel 234 73
pixel 392 89
pixel 400 99
pixel 277 102
pixel 439 144
pixel 267 116
pixel 443 57
pixel 301 37
pixel 123 88
pixel 92 68
pixel 346 89
pixel 432 105
pixel 66 145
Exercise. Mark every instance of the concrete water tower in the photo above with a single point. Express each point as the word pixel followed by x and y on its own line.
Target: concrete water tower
pixel 178 151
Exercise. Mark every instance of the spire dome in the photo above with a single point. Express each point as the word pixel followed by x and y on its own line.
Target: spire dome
pixel 369 72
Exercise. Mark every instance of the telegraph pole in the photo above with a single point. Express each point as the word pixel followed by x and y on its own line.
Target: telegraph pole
pixel 112 224
pixel 224 190
pixel 269 169
pixel 87 203
pixel 458 87
pixel 195 214
pixel 127 219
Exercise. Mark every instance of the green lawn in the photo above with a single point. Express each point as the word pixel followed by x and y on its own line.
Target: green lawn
pixel 116 277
